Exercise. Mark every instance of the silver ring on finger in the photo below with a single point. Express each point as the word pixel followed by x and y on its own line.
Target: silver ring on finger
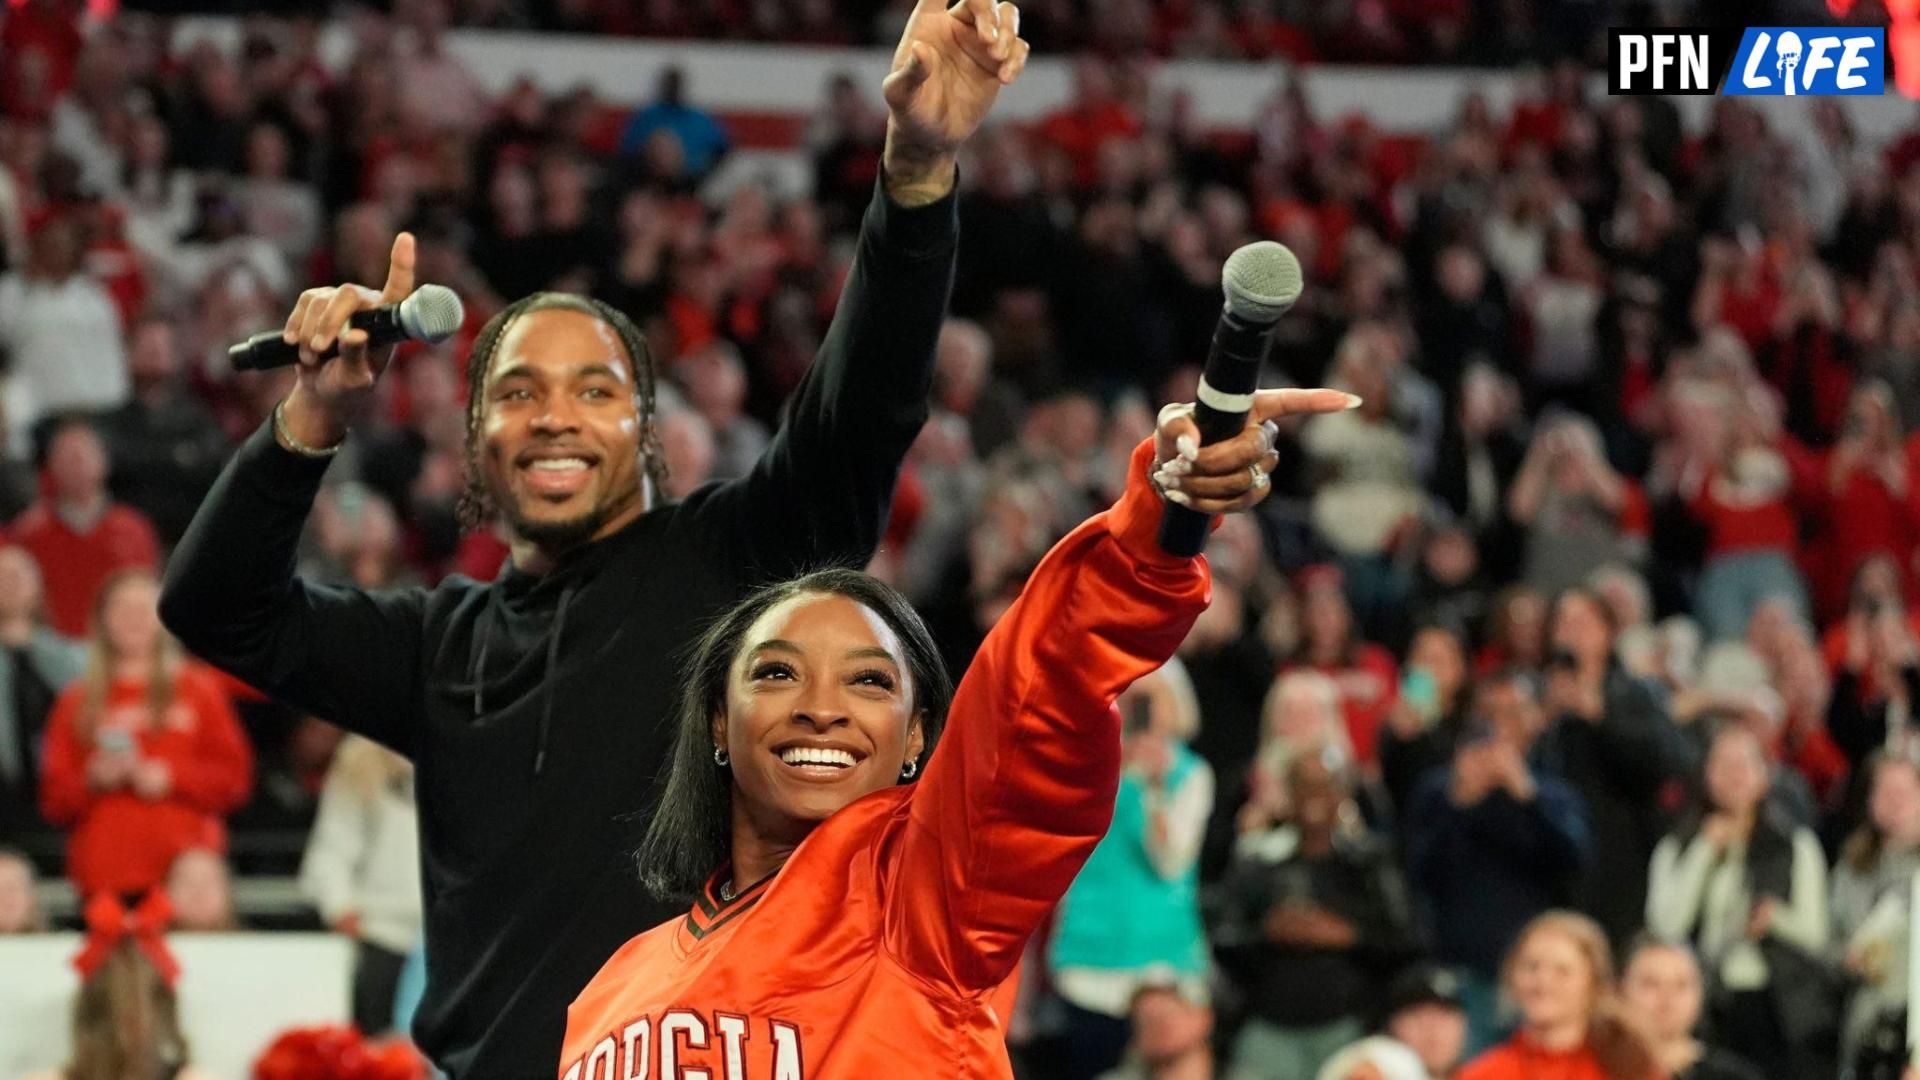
pixel 1269 435
pixel 1259 476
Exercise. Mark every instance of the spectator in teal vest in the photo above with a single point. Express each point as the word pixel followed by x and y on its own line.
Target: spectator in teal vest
pixel 1132 917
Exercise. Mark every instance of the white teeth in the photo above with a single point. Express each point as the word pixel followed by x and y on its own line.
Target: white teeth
pixel 808 755
pixel 559 464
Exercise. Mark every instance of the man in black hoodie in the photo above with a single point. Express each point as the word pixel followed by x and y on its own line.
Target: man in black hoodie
pixel 535 707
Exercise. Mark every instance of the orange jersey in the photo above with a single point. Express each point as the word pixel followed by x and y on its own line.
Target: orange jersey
pixel 886 944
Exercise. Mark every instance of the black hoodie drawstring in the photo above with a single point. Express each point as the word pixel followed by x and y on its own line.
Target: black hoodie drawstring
pixel 546 678
pixel 478 670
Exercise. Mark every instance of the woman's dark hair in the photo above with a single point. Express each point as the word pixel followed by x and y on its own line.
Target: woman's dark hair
pixel 1600 607
pixel 476 506
pixel 1862 849
pixel 692 829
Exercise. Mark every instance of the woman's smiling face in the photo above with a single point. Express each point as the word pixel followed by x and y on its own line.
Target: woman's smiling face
pixel 819 711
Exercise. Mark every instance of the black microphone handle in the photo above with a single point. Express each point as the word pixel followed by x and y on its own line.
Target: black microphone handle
pixel 267 349
pixel 1233 371
pixel 1184 530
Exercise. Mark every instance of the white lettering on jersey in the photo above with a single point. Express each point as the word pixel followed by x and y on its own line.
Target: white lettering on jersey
pixel 786 1052
pixel 678 1022
pixel 629 1054
pixel 600 1062
pixel 639 1062
pixel 733 1040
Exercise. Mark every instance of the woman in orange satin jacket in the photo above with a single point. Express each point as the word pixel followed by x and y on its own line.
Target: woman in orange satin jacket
pixel 852 917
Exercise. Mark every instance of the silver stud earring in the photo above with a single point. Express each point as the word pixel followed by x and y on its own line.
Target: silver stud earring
pixel 912 768
pixel 720 757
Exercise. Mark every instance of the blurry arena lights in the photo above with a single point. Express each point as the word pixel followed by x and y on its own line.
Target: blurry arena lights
pixel 1903 40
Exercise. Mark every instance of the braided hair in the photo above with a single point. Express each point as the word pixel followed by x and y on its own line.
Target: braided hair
pixel 476 504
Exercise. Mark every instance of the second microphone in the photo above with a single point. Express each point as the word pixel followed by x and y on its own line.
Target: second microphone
pixel 432 314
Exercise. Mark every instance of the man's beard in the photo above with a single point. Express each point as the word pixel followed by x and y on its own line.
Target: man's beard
pixel 557 535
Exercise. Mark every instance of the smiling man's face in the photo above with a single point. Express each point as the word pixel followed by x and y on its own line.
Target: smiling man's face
pixel 561 429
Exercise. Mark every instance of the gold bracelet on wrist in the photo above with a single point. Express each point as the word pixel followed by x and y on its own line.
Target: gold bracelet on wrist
pixel 287 440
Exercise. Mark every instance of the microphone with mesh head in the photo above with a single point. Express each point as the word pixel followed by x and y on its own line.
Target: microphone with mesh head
pixel 1262 280
pixel 431 314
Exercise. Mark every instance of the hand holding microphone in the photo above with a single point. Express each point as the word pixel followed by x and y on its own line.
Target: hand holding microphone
pixel 341 338
pixel 1212 456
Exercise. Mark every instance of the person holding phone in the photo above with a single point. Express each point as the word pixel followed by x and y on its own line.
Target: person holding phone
pixel 1492 842
pixel 1134 911
pixel 1611 738
pixel 144 754
pixel 1429 715
pixel 1314 920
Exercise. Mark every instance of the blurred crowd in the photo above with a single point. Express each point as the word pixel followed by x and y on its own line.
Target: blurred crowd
pixel 1589 643
pixel 1477 32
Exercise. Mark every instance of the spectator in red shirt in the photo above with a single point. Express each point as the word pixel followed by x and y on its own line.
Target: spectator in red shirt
pixel 1560 976
pixel 1096 117
pixel 1876 587
pixel 144 755
pixel 1364 673
pixel 1871 501
pixel 77 534
pixel 40 42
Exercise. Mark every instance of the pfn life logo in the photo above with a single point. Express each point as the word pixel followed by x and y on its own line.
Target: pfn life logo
pixel 1782 61
pixel 1793 61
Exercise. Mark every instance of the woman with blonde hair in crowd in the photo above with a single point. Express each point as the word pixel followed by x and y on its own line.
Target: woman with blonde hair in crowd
pixel 1301 715
pixel 144 755
pixel 126 1019
pixel 1559 975
pixel 362 870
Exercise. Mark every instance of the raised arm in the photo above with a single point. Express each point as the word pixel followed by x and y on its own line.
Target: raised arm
pixel 1023 784
pixel 821 492
pixel 351 657
pixel 347 656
